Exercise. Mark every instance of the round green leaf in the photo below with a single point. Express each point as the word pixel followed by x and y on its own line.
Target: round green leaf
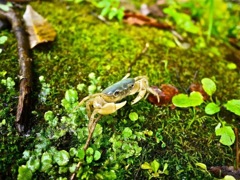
pixel 133 116
pixel 195 98
pixel 233 106
pixel 72 168
pixel 212 108
pixel 71 95
pixel 89 151
pixel 183 100
pixel 127 132
pixel 227 135
pixel 24 173
pixel 72 152
pixel 97 155
pixel 3 39
pixel 209 86
pixel 62 158
pixel 46 158
pixel 89 159
pixel 81 154
pixel 49 116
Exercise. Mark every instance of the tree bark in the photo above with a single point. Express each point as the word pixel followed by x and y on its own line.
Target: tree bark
pixel 25 62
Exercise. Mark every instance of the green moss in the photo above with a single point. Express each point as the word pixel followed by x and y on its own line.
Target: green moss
pixel 85 44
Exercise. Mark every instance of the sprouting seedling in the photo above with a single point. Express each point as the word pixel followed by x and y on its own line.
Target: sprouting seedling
pixel 183 100
pixel 209 86
pixel 226 133
pixel 153 169
pixel 233 106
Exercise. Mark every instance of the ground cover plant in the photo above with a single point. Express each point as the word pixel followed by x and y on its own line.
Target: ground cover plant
pixel 189 52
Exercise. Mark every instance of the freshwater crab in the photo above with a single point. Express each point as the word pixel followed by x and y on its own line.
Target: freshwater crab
pixel 105 102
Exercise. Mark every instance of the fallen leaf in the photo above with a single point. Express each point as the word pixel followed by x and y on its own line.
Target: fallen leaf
pixel 38 28
pixel 139 19
pixel 166 93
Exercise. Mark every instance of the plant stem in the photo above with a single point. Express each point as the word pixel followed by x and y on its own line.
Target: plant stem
pixel 91 131
pixel 210 24
pixel 236 146
pixel 193 119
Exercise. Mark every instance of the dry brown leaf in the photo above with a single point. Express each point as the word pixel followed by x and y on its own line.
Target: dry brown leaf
pixel 38 28
pixel 139 19
pixel 166 93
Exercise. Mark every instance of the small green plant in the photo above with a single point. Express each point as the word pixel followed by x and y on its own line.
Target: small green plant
pixel 3 39
pixel 226 133
pixel 45 90
pixel 209 86
pixel 153 169
pixel 110 9
pixel 212 108
pixel 184 101
pixel 233 106
pixel 9 83
pixel 182 20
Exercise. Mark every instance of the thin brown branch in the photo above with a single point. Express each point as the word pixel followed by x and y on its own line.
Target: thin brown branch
pixel 237 149
pixel 25 74
pixel 90 134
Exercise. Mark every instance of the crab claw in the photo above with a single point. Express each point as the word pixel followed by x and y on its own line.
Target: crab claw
pixel 110 108
pixel 152 91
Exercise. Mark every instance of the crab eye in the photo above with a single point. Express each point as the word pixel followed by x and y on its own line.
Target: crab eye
pixel 116 93
pixel 131 85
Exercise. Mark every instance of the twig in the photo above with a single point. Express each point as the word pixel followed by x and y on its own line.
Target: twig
pixel 138 56
pixel 236 146
pixel 25 74
pixel 91 130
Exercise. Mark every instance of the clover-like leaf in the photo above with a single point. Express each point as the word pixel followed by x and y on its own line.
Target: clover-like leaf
pixel 133 116
pixel 46 158
pixel 209 86
pixel 233 106
pixel 212 108
pixel 97 155
pixel 127 132
pixel 81 154
pixel 62 158
pixel 183 100
pixel 71 95
pixel 48 116
pixel 227 135
pixel 3 39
